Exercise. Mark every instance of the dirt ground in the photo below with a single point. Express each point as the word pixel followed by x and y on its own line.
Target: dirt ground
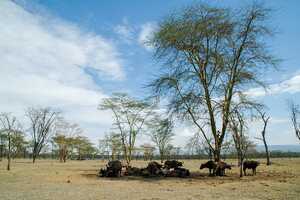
pixel 49 179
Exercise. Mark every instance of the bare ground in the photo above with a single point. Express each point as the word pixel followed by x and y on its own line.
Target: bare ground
pixel 49 179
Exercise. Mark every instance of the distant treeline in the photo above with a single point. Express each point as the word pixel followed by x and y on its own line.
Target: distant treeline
pixel 256 155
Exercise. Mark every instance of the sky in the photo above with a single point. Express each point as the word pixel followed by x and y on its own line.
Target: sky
pixel 71 54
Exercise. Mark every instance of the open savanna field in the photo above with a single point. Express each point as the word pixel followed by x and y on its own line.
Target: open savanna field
pixel 49 179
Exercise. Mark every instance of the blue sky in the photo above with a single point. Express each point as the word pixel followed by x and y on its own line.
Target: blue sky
pixel 70 54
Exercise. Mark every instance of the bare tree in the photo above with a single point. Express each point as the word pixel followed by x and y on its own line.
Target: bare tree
pixel 265 120
pixel 148 151
pixel 242 143
pixel 10 126
pixel 42 126
pixel 196 144
pixel 130 116
pixel 161 133
pixel 295 117
pixel 210 56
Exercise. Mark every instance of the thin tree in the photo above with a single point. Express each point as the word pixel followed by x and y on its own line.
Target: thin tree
pixel 10 126
pixel 265 119
pixel 161 134
pixel 103 147
pixel 3 139
pixel 210 56
pixel 130 116
pixel 242 143
pixel 114 143
pixel 295 118
pixel 42 121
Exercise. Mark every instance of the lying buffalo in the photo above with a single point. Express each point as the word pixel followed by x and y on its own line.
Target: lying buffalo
pixel 172 164
pixel 132 171
pixel 154 168
pixel 250 164
pixel 113 169
pixel 178 172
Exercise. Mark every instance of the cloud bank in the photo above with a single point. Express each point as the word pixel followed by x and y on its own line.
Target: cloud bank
pixel 42 64
pixel 291 85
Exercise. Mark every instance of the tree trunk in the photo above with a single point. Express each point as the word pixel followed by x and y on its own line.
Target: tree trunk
pixel 217 153
pixel 33 157
pixel 8 154
pixel 267 151
pixel 161 157
pixel 1 152
pixel 241 167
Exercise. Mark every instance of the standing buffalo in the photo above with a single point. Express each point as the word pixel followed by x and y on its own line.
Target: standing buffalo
pixel 221 167
pixel 250 164
pixel 211 165
pixel 215 168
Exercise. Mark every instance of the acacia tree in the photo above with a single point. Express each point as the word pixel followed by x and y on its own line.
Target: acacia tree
pixel 265 120
pixel 210 55
pixel 18 144
pixel 112 143
pixel 295 118
pixel 83 147
pixel 129 115
pixel 10 126
pixel 64 137
pixel 3 139
pixel 161 134
pixel 42 126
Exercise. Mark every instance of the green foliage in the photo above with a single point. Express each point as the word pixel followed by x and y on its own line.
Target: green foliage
pixel 161 133
pixel 211 57
pixel 130 116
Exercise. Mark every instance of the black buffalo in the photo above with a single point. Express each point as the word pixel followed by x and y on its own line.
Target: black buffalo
pixel 113 169
pixel 211 165
pixel 172 164
pixel 250 164
pixel 221 167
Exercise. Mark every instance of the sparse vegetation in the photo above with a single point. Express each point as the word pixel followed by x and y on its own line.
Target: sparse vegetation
pixel 211 58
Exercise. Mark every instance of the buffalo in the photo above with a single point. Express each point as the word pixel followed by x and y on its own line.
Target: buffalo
pixel 172 164
pixel 211 165
pixel 221 167
pixel 113 169
pixel 132 171
pixel 250 164
pixel 216 168
pixel 178 172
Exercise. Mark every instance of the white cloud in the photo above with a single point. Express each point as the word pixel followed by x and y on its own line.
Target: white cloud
pixel 125 31
pixel 145 34
pixel 42 60
pixel 291 86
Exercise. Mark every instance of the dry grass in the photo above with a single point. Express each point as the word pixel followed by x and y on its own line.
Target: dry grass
pixel 74 180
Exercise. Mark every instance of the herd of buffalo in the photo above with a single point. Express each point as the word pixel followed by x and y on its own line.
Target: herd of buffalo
pixel 170 168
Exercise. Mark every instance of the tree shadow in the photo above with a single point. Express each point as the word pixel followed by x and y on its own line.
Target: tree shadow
pixel 195 176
